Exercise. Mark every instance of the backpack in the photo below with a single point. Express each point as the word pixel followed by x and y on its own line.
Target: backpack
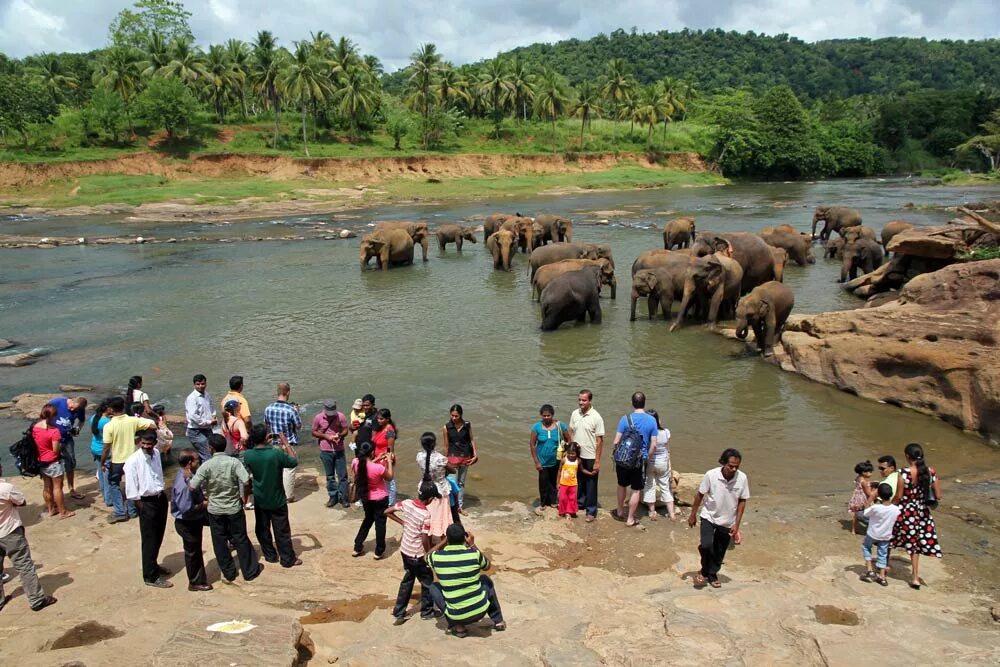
pixel 631 450
pixel 25 455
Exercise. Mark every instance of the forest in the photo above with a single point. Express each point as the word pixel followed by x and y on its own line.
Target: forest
pixel 755 106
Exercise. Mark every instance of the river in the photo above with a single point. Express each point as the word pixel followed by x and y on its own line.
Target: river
pixel 452 330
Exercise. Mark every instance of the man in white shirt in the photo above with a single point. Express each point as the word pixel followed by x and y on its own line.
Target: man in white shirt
pixel 722 498
pixel 143 479
pixel 200 417
pixel 586 426
pixel 14 544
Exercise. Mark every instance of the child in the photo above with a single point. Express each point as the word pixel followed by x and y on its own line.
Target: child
pixel 164 436
pixel 881 518
pixel 456 511
pixel 414 545
pixel 567 481
pixel 862 492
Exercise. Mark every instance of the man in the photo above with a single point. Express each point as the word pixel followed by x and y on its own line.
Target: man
pixel 119 443
pixel 143 476
pixel 14 544
pixel 722 498
pixel 226 482
pixel 236 394
pixel 282 419
pixel 363 431
pixel 189 508
pixel 200 417
pixel 628 477
pixel 461 592
pixel 330 428
pixel 890 476
pixel 71 415
pixel 270 508
pixel 586 426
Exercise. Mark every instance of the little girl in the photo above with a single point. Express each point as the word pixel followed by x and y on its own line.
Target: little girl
pixel 862 491
pixel 164 436
pixel 567 481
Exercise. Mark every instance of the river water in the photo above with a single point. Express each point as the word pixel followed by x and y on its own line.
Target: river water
pixel 452 330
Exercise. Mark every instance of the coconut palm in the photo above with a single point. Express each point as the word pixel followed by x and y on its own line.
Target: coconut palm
pixel 220 79
pixel 356 94
pixel 48 71
pixel 496 87
pixel 265 73
pixel 523 85
pixel 304 80
pixel 186 62
pixel 425 64
pixel 550 98
pixel 669 102
pixel 451 87
pixel 617 90
pixel 239 57
pixel 647 109
pixel 374 66
pixel 118 70
pixel 586 105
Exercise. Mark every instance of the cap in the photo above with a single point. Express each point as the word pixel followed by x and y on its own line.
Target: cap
pixel 330 407
pixel 357 404
pixel 232 405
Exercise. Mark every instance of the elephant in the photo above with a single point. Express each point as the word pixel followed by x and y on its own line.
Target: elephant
pixel 679 233
pixel 780 259
pixel 387 246
pixel 834 248
pixel 764 309
pixel 860 254
pixel 650 259
pixel 715 280
pixel 537 232
pixel 501 245
pixel 525 230
pixel 572 296
pixel 547 273
pixel 858 232
pixel 661 284
pixel 456 234
pixel 798 246
pixel 550 254
pixel 834 219
pixel 417 230
pixel 748 249
pixel 892 228
pixel 555 228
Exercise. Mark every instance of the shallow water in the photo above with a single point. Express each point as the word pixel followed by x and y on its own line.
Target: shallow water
pixel 452 330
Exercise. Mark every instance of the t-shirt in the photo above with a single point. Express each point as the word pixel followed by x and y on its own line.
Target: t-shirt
pixel 332 426
pixel 381 439
pixel 548 442
pixel 458 568
pixel 138 396
pixel 97 441
pixel 416 523
pixel 722 495
pixel 881 519
pixel 438 471
pixel 376 485
pixel 661 457
pixel 585 429
pixel 65 417
pixel 120 432
pixel 265 465
pixel 223 478
pixel 567 476
pixel 892 479
pixel 46 437
pixel 237 396
pixel 645 424
pixel 10 500
pixel 459 439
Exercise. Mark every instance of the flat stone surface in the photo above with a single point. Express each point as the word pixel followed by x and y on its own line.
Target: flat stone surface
pixel 273 643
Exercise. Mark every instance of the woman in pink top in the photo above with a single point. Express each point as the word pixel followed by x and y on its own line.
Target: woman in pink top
pixel 48 440
pixel 371 473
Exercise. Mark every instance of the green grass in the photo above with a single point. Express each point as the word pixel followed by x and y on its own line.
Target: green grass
pixel 992 252
pixel 964 178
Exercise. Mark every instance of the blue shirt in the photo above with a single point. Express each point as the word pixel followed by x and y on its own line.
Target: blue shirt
pixel 97 441
pixel 186 504
pixel 548 442
pixel 281 417
pixel 645 424
pixel 65 417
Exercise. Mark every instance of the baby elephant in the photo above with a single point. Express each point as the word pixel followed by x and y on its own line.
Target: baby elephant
pixel 862 255
pixel 764 309
pixel 572 296
pixel 456 234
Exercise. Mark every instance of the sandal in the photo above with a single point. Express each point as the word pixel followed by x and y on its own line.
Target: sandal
pixel 459 631
pixel 616 516
pixel 357 553
pixel 881 581
pixel 500 627
pixel 700 580
pixel 715 583
pixel 77 495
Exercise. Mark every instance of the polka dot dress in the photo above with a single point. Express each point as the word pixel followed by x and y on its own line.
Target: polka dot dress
pixel 914 530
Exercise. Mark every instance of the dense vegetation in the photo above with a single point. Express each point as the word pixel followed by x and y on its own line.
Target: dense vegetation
pixel 757 106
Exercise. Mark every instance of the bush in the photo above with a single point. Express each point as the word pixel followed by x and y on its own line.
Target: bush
pixel 167 103
pixel 106 112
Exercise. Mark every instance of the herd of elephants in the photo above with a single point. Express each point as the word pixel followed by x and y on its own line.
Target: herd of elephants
pixel 730 275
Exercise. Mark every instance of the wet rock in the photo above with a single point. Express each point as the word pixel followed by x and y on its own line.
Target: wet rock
pixel 938 242
pixel 347 234
pixel 75 388
pixel 22 359
pixel 275 642
pixel 6 344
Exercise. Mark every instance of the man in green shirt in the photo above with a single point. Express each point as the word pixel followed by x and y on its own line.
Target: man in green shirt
pixel 270 509
pixel 461 591
pixel 226 483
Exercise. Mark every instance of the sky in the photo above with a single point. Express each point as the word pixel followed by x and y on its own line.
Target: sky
pixel 467 31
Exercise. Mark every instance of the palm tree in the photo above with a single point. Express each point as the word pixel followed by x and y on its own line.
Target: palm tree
pixel 267 61
pixel 186 62
pixel 219 80
pixel 450 87
pixel 118 70
pixel 647 111
pixel 322 44
pixel 304 80
pixel 424 67
pixel 586 105
pixel 617 89
pixel 357 94
pixel 156 54
pixel 495 85
pixel 550 98
pixel 523 84
pixel 669 102
pixel 239 58
pixel 48 71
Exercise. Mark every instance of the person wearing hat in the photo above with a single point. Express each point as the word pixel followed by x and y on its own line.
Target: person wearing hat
pixel 330 428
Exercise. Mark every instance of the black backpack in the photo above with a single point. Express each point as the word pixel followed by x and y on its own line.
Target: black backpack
pixel 25 455
pixel 631 450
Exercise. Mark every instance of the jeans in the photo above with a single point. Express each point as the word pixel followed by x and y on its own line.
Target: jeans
pixel 232 528
pixel 882 549
pixel 198 437
pixel 191 533
pixel 548 495
pixel 460 475
pixel 266 521
pixel 714 542
pixel 391 486
pixel 15 546
pixel 118 501
pixel 495 614
pixel 374 514
pixel 414 569
pixel 335 466
pixel 587 489
pixel 102 481
pixel 152 524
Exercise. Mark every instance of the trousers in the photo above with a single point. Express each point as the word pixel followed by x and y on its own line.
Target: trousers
pixel 191 533
pixel 229 529
pixel 548 495
pixel 267 521
pixel 15 546
pixel 122 507
pixel 414 569
pixel 587 488
pixel 714 542
pixel 152 525
pixel 335 467
pixel 493 611
pixel 198 437
pixel 374 514
pixel 102 481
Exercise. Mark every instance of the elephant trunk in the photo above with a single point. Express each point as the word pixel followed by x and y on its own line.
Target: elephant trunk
pixel 816 219
pixel 614 287
pixel 742 330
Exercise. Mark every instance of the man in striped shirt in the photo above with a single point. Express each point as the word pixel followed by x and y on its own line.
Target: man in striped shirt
pixel 461 592
pixel 414 545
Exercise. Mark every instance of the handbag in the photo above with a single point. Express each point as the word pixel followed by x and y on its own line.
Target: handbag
pixel 352 492
pixel 931 501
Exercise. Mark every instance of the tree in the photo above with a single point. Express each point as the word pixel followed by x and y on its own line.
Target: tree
pixel 132 27
pixel 118 70
pixel 48 71
pixel 266 72
pixel 522 84
pixel 425 64
pixel 304 80
pixel 450 87
pixel 496 86
pixel 219 79
pixel 241 62
pixel 789 142
pixel 167 103
pixel 550 98
pixel 649 109
pixel 23 103
pixel 586 105
pixel 106 111
pixel 397 124
pixel 156 54
pixel 617 90
pixel 356 95
pixel 987 143
pixel 186 63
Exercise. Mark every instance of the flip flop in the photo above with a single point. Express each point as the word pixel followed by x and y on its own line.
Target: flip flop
pixel 77 495
pixel 715 584
pixel 699 580
pixel 459 632
pixel 616 516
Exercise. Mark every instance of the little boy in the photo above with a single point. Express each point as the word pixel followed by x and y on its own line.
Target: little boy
pixel 881 518
pixel 413 546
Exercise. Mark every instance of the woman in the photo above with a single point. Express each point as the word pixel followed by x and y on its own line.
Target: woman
pixel 658 473
pixel 434 467
pixel 371 473
pixel 461 450
pixel 48 440
pixel 546 435
pixel 135 394
pixel 102 415
pixel 914 529
pixel 384 440
pixel 234 427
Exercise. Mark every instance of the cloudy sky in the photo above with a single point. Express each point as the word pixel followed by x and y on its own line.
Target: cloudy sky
pixel 474 29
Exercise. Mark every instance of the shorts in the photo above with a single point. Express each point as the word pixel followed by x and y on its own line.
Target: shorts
pixel 630 477
pixel 54 469
pixel 68 453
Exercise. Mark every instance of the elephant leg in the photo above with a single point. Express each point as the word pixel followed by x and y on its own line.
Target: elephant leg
pixel 714 305
pixel 759 334
pixel 423 246
pixel 441 243
pixel 652 305
pixel 685 302
pixel 458 244
pixel 770 326
pixel 666 305
pixel 595 312
pixel 631 317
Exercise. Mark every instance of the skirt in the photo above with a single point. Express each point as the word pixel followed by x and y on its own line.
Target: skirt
pixel 440 510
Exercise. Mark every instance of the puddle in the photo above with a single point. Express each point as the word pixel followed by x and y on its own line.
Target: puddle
pixel 85 634
pixel 354 610
pixel 830 615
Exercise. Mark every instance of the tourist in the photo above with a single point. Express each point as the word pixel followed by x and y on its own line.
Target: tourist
pixel 134 394
pixel 143 477
pixel 434 468
pixel 722 499
pixel 586 428
pixel 368 422
pixel 370 476
pixel 266 464
pixel 890 476
pixel 119 443
pixel 14 545
pixel 460 447
pixel 48 442
pixel 190 511
pixel 658 472
pixel 234 427
pixel 330 428
pixel 226 482
pixel 413 547
pixel 568 468
pixel 282 419
pixel 164 436
pixel 236 393
pixel 461 592
pixel 862 493
pixel 918 492
pixel 635 444
pixel 200 417
pixel 71 415
pixel 100 418
pixel 881 518
pixel 384 439
pixel 544 443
